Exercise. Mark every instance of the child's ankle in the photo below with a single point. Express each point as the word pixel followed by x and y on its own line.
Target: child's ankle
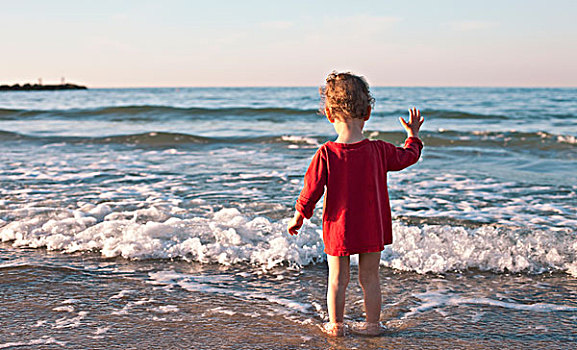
pixel 335 329
pixel 368 328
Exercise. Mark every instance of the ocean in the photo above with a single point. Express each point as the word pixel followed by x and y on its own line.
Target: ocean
pixel 156 218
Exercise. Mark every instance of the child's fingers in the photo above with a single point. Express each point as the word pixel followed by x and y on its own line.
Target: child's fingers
pixel 293 229
pixel 414 116
pixel 403 122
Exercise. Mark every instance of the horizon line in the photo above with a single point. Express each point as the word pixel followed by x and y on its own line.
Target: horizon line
pixel 316 86
pixel 299 86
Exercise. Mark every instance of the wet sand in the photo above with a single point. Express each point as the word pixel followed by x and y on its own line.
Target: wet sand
pixel 82 301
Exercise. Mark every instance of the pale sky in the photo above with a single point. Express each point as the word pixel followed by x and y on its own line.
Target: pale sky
pixel 115 43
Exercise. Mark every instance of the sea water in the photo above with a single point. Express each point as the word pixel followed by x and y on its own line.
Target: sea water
pixel 150 218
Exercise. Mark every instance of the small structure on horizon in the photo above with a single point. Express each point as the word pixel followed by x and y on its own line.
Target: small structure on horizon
pixel 34 87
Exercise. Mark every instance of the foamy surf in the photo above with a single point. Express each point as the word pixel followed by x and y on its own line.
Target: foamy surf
pixel 441 299
pixel 442 248
pixel 229 287
pixel 229 237
pixel 45 340
pixel 226 237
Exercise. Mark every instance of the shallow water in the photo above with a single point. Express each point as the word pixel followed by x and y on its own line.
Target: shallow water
pixel 84 301
pixel 137 217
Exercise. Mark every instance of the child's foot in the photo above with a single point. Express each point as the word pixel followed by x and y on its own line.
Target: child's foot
pixel 334 329
pixel 367 328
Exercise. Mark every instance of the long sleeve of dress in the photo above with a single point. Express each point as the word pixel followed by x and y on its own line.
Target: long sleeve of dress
pixel 398 158
pixel 314 185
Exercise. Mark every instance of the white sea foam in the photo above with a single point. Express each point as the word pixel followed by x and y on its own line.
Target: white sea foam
pixel 67 308
pixel 45 340
pixel 72 322
pixel 40 323
pixel 164 309
pixel 489 200
pixel 228 237
pixel 477 316
pixel 443 248
pixel 101 330
pixel 122 294
pixel 131 304
pixel 300 139
pixel 567 139
pixel 439 299
pixel 199 284
pixel 221 310
pixel 70 301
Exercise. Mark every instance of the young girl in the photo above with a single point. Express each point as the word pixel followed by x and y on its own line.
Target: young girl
pixel 356 213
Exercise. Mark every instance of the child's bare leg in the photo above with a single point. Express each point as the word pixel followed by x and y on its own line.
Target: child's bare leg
pixel 339 273
pixel 369 279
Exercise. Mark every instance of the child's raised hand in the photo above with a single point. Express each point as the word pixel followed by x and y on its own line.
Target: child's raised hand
pixel 295 224
pixel 414 124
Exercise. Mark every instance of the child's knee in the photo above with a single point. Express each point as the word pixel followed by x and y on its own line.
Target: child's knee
pixel 369 269
pixel 340 280
pixel 369 278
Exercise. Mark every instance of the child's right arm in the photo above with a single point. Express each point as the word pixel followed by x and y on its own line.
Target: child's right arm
pixel 295 224
pixel 314 187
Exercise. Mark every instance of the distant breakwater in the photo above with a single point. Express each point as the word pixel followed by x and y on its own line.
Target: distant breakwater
pixel 40 87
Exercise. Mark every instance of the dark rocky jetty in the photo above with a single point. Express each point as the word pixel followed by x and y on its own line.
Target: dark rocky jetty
pixel 40 87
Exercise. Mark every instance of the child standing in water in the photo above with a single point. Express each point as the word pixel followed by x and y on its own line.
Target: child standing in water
pixel 356 213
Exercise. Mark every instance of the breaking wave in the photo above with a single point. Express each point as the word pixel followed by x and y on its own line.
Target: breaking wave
pixel 229 237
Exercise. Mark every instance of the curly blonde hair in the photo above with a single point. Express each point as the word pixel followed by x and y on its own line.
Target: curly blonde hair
pixel 346 95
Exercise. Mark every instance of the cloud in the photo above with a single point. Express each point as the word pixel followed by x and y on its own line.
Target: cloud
pixel 351 31
pixel 338 25
pixel 464 26
pixel 277 24
pixel 366 23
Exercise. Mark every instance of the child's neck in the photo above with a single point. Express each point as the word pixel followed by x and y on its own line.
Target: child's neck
pixel 350 130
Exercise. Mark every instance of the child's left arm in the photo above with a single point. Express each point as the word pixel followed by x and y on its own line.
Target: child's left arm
pixel 402 157
pixel 414 124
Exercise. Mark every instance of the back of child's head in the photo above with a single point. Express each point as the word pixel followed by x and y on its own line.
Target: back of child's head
pixel 346 96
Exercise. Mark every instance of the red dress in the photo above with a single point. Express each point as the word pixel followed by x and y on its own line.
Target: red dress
pixel 356 213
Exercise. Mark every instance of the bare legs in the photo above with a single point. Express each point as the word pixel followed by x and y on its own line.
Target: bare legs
pixel 369 280
pixel 339 275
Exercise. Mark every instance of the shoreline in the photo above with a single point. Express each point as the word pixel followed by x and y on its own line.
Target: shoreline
pixel 85 301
